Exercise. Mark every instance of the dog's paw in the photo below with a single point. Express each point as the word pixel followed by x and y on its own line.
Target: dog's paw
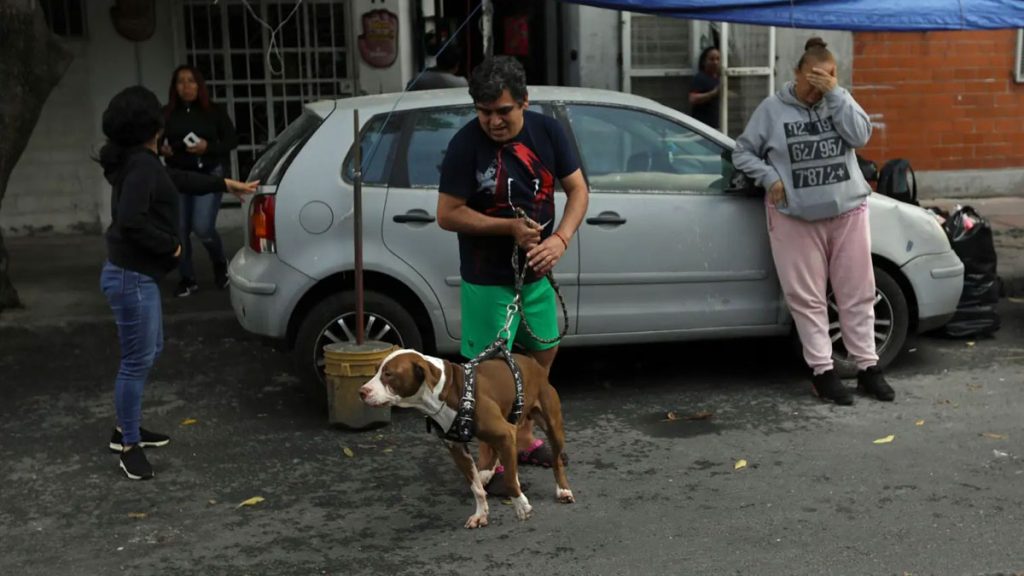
pixel 564 496
pixel 476 521
pixel 522 506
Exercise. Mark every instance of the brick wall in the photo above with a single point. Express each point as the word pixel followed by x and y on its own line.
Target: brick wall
pixel 943 100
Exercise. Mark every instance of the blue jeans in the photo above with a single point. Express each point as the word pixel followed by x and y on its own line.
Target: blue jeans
pixel 199 215
pixel 135 301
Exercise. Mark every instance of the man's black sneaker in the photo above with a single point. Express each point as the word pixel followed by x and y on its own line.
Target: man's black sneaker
pixel 135 465
pixel 147 439
pixel 828 387
pixel 186 287
pixel 871 381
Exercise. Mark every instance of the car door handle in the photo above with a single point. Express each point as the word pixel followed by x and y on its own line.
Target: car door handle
pixel 607 219
pixel 419 216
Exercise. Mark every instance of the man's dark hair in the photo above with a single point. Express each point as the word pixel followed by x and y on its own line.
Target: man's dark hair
pixel 495 75
pixel 449 58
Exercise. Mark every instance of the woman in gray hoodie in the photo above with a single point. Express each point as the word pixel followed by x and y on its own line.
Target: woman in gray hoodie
pixel 799 145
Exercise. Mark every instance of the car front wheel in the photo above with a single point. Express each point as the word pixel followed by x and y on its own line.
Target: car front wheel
pixel 334 320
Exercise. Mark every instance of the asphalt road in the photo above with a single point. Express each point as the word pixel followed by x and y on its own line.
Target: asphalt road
pixel 654 495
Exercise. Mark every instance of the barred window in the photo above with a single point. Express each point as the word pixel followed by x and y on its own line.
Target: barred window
pixel 229 46
pixel 65 17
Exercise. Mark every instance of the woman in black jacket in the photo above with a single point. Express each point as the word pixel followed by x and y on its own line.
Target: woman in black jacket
pixel 198 137
pixel 142 246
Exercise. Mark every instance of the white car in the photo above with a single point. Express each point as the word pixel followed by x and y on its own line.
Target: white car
pixel 666 252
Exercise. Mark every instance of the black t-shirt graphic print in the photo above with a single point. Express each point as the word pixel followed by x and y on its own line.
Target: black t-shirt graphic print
pixel 495 179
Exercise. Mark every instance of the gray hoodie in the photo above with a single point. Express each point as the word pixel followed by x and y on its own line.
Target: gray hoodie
pixel 809 148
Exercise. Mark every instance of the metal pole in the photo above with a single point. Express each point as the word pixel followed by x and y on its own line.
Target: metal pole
pixel 357 208
pixel 723 82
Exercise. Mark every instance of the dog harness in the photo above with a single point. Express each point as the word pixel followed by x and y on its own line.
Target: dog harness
pixel 463 427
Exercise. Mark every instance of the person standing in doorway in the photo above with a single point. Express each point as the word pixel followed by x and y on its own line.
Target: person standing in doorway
pixel 705 104
pixel 198 137
pixel 799 145
pixel 444 75
pixel 509 158
pixel 142 246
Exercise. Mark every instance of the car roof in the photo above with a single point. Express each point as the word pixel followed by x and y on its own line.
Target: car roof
pixel 399 101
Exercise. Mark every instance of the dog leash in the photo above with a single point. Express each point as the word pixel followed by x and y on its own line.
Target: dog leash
pixel 519 271
pixel 463 428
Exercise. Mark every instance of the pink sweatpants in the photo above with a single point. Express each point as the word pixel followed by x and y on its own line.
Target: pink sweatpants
pixel 809 254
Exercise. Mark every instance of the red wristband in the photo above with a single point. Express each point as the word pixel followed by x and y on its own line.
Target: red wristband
pixel 564 241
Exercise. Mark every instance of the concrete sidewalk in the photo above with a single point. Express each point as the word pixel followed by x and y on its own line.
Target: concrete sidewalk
pixel 57 277
pixel 58 280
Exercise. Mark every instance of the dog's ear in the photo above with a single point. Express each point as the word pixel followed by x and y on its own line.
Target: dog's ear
pixel 426 373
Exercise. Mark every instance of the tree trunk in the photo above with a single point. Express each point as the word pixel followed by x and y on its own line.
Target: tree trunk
pixel 32 62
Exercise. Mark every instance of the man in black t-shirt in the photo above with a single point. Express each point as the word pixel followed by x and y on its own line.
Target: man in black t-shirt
pixel 509 158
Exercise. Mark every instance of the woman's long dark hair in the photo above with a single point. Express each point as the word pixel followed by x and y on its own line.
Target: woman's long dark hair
pixel 173 100
pixel 132 118
pixel 703 60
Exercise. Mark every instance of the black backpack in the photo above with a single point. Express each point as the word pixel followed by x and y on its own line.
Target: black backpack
pixel 897 180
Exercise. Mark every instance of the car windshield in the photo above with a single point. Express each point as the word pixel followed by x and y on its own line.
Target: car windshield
pixel 271 165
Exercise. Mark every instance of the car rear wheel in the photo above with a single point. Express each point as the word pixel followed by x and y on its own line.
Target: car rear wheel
pixel 892 324
pixel 334 320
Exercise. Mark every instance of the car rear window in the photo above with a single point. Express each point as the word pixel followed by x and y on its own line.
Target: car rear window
pixel 377 148
pixel 272 164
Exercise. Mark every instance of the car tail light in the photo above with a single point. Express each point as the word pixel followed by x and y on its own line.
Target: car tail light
pixel 262 236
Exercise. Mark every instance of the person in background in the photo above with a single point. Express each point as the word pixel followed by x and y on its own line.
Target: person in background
pixel 799 145
pixel 704 101
pixel 198 137
pixel 142 246
pixel 442 75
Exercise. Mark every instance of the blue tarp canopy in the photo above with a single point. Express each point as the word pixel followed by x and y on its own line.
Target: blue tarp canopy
pixel 861 15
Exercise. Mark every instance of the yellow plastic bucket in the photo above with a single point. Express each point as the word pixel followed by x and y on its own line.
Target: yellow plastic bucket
pixel 347 366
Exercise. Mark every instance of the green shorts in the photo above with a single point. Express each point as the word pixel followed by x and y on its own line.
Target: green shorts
pixel 484 311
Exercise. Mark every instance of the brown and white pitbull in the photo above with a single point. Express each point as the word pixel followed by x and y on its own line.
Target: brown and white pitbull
pixel 434 386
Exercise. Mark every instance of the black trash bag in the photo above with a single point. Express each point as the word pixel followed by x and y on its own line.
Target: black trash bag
pixel 971 238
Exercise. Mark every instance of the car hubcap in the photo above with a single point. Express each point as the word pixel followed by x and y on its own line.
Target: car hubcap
pixel 343 329
pixel 883 325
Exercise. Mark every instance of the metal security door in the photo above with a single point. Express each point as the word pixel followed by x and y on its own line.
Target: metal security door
pixel 659 60
pixel 748 72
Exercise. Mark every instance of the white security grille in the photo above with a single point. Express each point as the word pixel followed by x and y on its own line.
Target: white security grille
pixel 658 59
pixel 263 95
pixel 660 43
pixel 750 57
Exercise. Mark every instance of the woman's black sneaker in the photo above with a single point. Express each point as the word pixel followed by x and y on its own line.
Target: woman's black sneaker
pixel 220 275
pixel 828 387
pixel 135 465
pixel 186 287
pixel 147 439
pixel 871 381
